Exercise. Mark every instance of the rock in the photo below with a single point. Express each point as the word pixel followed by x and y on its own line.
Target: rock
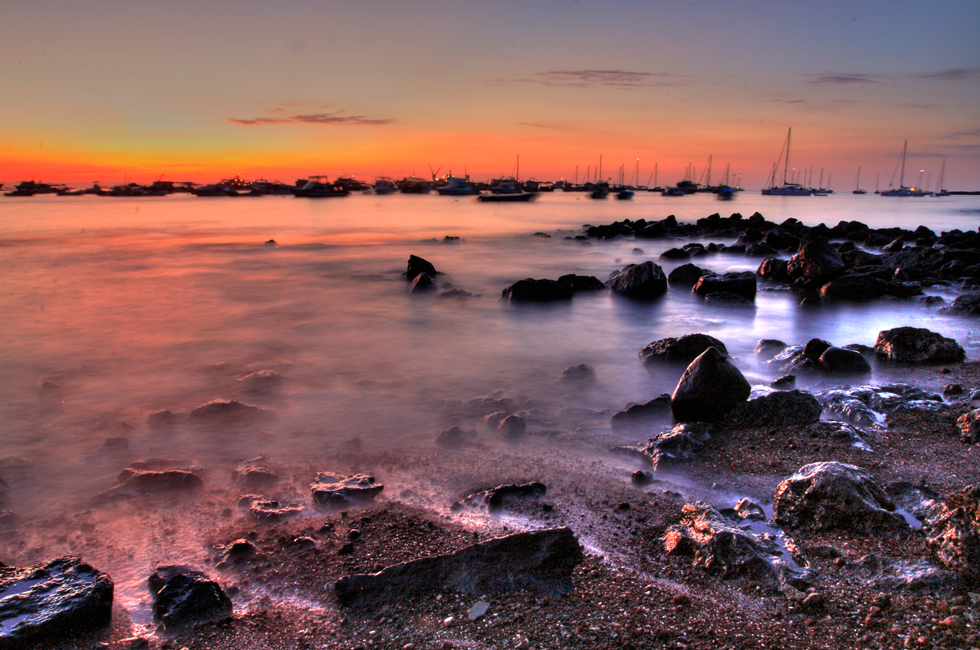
pixel 839 361
pixel 338 491
pixel 644 281
pixel 782 408
pixel 785 382
pixel 740 284
pixel 681 444
pixel 417 265
pixel 221 411
pixel 675 254
pixel 640 415
pixel 722 299
pixel 8 520
pixel 458 294
pixel 766 349
pixel 816 262
pixel 496 497
pixel 968 423
pixel 723 548
pixel 917 345
pixel 512 426
pixel 832 495
pixel 968 303
pixel 953 535
pixel 239 552
pixel 857 287
pixel 580 376
pixel 256 473
pixel 538 561
pixel 773 269
pixel 478 610
pixel 531 290
pixel 952 389
pixel 271 510
pixel 746 508
pixel 189 599
pixel 710 388
pixel 456 437
pixel 685 276
pixel 582 283
pixel 887 574
pixel 679 350
pixel 3 489
pixel 154 476
pixel 262 381
pixel 165 572
pixel 162 420
pixel 422 283
pixel 52 601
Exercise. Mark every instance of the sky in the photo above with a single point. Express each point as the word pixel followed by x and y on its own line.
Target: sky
pixel 114 90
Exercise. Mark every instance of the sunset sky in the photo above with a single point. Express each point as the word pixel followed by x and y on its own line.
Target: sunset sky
pixel 106 90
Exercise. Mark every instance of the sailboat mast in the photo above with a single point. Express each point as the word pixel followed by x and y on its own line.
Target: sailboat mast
pixel 656 183
pixel 518 166
pixel 904 150
pixel 857 185
pixel 708 181
pixel 786 164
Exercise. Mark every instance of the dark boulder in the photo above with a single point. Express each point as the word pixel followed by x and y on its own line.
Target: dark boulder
pixel 52 601
pixel 637 416
pixel 644 281
pixel 675 254
pixel 531 290
pixel 741 284
pixel 774 269
pixel 224 411
pixel 154 476
pixel 685 276
pixel 189 599
pixel 577 376
pixel 728 299
pixel 969 426
pixel 582 283
pixel 539 561
pixel 953 535
pixel 782 240
pixel 760 249
pixel 853 288
pixel 710 388
pixel 833 495
pixel 840 361
pixel 512 426
pixel 917 345
pixel 785 382
pixel 783 408
pixel 968 303
pixel 418 265
pixel 679 350
pixel 816 262
pixel 681 444
pixel 422 283
pixel 165 572
pixel 456 437
pixel 768 348
pixel 498 496
pixel 335 490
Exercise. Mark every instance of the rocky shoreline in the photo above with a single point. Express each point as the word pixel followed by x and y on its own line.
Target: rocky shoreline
pixel 841 514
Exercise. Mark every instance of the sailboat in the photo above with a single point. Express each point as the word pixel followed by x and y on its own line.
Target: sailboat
pixel 902 190
pixel 787 189
pixel 857 184
pixel 940 190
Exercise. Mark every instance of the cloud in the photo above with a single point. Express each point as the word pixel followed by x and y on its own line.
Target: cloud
pixel 543 126
pixel 281 116
pixel 842 78
pixel 622 79
pixel 922 106
pixel 952 74
pixel 778 100
pixel 964 134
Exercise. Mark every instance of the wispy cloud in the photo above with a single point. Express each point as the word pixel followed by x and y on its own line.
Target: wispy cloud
pixel 621 79
pixel 952 74
pixel 922 106
pixel 783 100
pixel 842 78
pixel 543 126
pixel 281 116
pixel 964 134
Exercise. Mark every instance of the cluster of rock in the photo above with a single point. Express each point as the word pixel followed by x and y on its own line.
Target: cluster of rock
pixel 336 491
pixel 220 412
pixel 421 275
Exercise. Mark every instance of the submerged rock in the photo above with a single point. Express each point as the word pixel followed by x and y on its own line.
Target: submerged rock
pixel 833 495
pixel 840 361
pixel 953 535
pixel 531 290
pixel 917 345
pixel 741 284
pixel 685 276
pixel 52 601
pixel 339 491
pixel 456 437
pixel 258 472
pixel 417 265
pixel 539 561
pixel 644 281
pixel 887 574
pixel 162 420
pixel 710 388
pixel 679 350
pixel 262 381
pixel 217 411
pixel 188 599
pixel 422 283
pixel 768 348
pixel 783 408
pixel 496 497
pixel 580 376
pixel 641 415
pixel 154 476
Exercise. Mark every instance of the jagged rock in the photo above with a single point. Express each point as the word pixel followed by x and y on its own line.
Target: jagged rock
pixel 538 561
pixel 512 426
pixel 782 408
pixel 52 601
pixel 271 510
pixel 189 599
pixel 886 574
pixel 832 495
pixel 953 535
pixel 531 290
pixel 422 283
pixel 746 508
pixel 154 476
pixel 917 345
pixel 857 287
pixel 768 348
pixel 774 269
pixel 722 547
pixel 741 284
pixel 456 437
pixel 582 283
pixel 968 303
pixel 817 262
pixel 681 444
pixel 709 388
pixel 679 350
pixel 220 411
pixel 338 491
pixel 580 375
pixel 968 423
pixel 685 276
pixel 417 265
pixel 496 497
pixel 165 572
pixel 639 415
pixel 675 254
pixel 644 281
pixel 258 472
pixel 839 361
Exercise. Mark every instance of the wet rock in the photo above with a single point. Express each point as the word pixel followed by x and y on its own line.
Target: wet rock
pixel 766 349
pixel 917 499
pixel 531 290
pixel 720 546
pixel 458 294
pixel 816 262
pixel 890 575
pixel 580 375
pixel 786 382
pixel 422 283
pixel 239 552
pixel 774 269
pixel 582 283
pixel 644 281
pixel 720 299
pixel 681 444
pixel 642 415
pixel 856 287
pixel 710 388
pixel 189 599
pixel 917 345
pixel 258 472
pixel 417 265
pixel 456 437
pixel 221 411
pixel 952 390
pixel 110 444
pixel 165 572
pixel 52 601
pixel 675 254
pixel 953 535
pixel 162 420
pixel 968 423
pixel 512 426
pixel 783 408
pixel 496 497
pixel 262 381
pixel 679 350
pixel 741 284
pixel 839 361
pixel 337 491
pixel 272 511
pixel 832 495
pixel 539 561
pixel 154 476
pixel 746 508
pixel 685 276
pixel 482 406
pixel 968 303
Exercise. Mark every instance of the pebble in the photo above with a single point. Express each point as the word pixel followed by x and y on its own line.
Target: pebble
pixel 478 610
pixel 448 621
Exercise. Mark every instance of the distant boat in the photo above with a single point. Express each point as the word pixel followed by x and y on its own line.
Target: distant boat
pixel 903 191
pixel 600 191
pixel 624 194
pixel 384 185
pixel 857 184
pixel 673 191
pixel 458 187
pixel 317 187
pixel 30 188
pixel 506 197
pixel 940 190
pixel 726 194
pixel 786 189
pixel 413 185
